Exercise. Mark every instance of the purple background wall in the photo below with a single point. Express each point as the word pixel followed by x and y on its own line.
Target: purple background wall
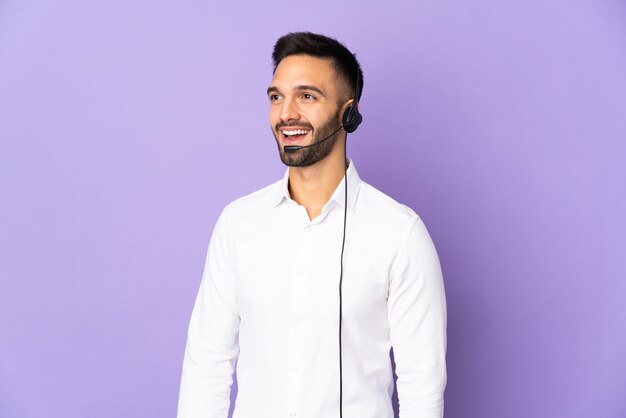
pixel 125 127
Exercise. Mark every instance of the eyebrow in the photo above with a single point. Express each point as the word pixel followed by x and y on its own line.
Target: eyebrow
pixel 274 89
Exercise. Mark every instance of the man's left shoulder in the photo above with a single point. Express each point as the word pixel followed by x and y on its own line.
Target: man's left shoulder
pixel 382 207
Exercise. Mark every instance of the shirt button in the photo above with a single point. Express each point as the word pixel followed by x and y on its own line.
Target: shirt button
pixel 298 318
pixel 307 229
pixel 292 414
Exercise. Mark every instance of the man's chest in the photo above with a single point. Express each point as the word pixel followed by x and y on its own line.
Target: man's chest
pixel 287 265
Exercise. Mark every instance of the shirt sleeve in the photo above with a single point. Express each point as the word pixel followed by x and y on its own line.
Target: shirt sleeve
pixel 417 322
pixel 212 341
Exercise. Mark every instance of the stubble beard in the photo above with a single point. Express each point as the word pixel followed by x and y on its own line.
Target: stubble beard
pixel 311 155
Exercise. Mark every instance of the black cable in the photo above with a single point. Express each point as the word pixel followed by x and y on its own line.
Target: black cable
pixel 343 244
pixel 353 125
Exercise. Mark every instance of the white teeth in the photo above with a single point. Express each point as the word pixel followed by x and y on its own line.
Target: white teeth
pixel 296 132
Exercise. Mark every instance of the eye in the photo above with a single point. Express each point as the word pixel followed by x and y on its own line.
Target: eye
pixel 274 97
pixel 308 96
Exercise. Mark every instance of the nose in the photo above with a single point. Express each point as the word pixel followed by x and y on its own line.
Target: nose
pixel 289 110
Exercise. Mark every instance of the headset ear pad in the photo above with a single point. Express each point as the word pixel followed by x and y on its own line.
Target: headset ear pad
pixel 351 119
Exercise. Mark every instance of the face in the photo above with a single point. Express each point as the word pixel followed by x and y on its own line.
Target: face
pixel 304 108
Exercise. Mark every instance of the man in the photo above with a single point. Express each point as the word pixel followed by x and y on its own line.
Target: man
pixel 269 300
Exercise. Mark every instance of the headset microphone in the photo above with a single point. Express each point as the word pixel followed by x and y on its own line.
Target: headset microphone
pixel 294 148
pixel 349 122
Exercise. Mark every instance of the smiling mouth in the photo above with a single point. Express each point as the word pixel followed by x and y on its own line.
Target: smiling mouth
pixel 293 135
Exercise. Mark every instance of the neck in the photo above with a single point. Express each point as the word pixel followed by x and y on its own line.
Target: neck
pixel 313 186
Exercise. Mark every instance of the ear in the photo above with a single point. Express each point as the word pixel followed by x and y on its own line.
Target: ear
pixel 345 106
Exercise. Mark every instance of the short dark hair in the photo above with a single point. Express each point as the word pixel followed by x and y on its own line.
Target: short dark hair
pixel 307 43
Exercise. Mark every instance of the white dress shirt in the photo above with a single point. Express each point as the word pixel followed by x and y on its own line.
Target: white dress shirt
pixel 269 301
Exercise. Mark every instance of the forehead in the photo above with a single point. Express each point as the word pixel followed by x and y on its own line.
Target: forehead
pixel 305 70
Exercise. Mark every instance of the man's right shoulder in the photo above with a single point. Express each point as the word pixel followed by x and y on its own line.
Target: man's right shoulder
pixel 257 201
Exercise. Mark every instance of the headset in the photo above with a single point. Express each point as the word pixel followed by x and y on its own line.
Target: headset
pixel 352 118
pixel 350 121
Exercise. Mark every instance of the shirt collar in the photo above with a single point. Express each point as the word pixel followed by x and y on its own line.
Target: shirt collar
pixel 281 192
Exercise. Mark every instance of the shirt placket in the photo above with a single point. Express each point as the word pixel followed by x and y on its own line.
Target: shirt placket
pixel 301 270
